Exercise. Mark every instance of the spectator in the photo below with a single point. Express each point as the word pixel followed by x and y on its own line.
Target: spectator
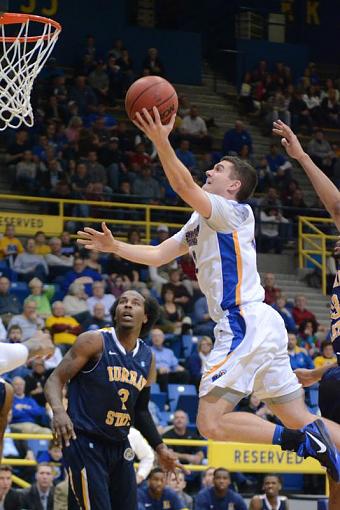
pixel 75 301
pixel 9 303
pixel 203 324
pixel 182 296
pixel 83 96
pixel 278 108
pixel 194 129
pixel 271 292
pixel 17 149
pixel 147 187
pixel 41 494
pixel 327 356
pixel 139 158
pixel 171 313
pixel 99 296
pixel 300 312
pixel 153 63
pixel 41 245
pixel 14 334
pixel 321 152
pixel 53 456
pixel 29 321
pixel 219 496
pixel 191 455
pixel 197 360
pixel 10 246
pixel 299 358
pixel 10 499
pixel 156 495
pixel 330 108
pixel 26 412
pixel 307 337
pixel 42 295
pixel 178 484
pixel 185 155
pixel 279 165
pixel 97 320
pixel 68 246
pixel 236 138
pixel 300 113
pixel 29 265
pixel 312 99
pixel 208 478
pixel 144 453
pixel 98 79
pixel 63 328
pixel 297 207
pixel 60 500
pixel 162 235
pixel 270 238
pixel 92 261
pixel 271 498
pixel 270 200
pixel 81 274
pixel 96 171
pixel 167 366
pixel 284 311
pixel 35 382
pixel 26 172
pixel 58 262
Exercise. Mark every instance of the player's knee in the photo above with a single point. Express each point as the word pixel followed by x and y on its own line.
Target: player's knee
pixel 209 428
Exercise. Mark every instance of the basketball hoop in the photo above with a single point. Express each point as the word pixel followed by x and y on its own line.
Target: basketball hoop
pixel 26 42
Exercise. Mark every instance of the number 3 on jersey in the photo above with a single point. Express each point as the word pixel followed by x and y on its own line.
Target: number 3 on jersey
pixel 124 395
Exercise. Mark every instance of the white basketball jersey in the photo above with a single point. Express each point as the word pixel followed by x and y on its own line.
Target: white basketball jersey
pixel 224 252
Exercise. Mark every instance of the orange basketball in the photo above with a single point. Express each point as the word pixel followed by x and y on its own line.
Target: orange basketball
pixel 151 91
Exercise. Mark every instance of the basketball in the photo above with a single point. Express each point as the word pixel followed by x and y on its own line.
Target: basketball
pixel 151 91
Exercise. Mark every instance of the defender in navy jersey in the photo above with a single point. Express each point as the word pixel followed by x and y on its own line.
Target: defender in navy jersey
pixel 271 499
pixel 110 373
pixel 329 375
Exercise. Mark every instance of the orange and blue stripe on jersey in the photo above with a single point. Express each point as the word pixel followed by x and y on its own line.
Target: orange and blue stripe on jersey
pixel 231 263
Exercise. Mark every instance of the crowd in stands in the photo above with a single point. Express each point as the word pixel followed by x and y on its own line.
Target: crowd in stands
pixel 79 149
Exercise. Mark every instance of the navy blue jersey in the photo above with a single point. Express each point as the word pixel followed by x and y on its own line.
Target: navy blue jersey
pixel 103 395
pixel 2 393
pixel 169 500
pixel 335 314
pixel 267 506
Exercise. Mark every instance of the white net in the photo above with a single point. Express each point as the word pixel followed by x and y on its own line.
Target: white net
pixel 21 59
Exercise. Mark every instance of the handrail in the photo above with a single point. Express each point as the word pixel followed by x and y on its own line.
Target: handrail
pixel 312 245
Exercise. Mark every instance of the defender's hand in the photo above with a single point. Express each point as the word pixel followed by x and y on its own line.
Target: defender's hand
pixel 62 427
pixel 289 140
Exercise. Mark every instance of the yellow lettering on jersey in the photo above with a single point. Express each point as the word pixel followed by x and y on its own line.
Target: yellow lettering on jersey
pixel 337 279
pixel 123 375
pixel 335 308
pixel 335 332
pixel 312 14
pixel 118 419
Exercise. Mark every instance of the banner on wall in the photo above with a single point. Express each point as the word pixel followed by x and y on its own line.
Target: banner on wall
pixel 28 224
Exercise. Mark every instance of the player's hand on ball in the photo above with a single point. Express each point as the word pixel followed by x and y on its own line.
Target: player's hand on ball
pixel 289 139
pixel 94 240
pixel 168 459
pixel 62 427
pixel 154 129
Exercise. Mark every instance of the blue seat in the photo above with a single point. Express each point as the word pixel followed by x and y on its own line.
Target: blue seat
pixel 323 504
pixel 189 404
pixel 155 388
pixel 165 417
pixel 176 390
pixel 187 345
pixel 20 290
pixel 37 445
pixel 160 399
pixel 292 482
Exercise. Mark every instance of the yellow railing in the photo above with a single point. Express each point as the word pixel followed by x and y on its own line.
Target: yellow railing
pixel 312 244
pixel 27 223
pixel 243 457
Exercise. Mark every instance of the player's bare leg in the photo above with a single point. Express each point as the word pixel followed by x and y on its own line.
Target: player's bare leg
pixel 334 494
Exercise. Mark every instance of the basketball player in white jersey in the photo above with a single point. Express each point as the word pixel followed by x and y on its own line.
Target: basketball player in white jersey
pixel 250 350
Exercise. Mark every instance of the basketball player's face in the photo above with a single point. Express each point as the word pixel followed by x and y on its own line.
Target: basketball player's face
pixel 271 486
pixel 221 481
pixel 157 484
pixel 130 312
pixel 219 179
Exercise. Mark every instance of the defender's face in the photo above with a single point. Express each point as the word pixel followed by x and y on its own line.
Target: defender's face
pixel 130 311
pixel 219 178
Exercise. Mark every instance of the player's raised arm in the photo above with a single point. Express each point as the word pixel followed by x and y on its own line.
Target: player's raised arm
pixel 141 254
pixel 178 175
pixel 87 346
pixel 328 193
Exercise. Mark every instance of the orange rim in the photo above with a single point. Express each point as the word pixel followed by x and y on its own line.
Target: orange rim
pixel 10 18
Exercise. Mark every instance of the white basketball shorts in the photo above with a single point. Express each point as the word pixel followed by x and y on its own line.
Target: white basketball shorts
pixel 250 355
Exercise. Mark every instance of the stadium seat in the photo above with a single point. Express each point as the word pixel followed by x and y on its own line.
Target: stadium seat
pixel 187 345
pixel 323 504
pixel 20 290
pixel 160 399
pixel 5 270
pixel 189 404
pixel 37 445
pixel 176 390
pixel 155 388
pixel 292 483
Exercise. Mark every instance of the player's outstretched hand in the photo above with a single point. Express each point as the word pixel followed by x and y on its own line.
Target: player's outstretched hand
pixel 168 459
pixel 40 345
pixel 154 129
pixel 94 240
pixel 289 140
pixel 62 427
